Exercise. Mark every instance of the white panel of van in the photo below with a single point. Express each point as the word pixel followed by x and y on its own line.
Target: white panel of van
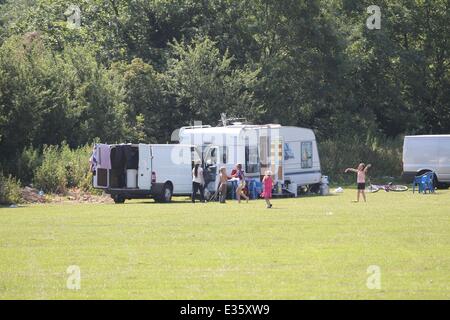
pixel 173 163
pixel 422 153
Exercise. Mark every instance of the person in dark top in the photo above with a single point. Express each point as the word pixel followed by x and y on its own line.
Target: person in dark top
pixel 198 182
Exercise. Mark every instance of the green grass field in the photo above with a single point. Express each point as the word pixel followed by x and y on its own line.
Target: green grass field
pixel 305 248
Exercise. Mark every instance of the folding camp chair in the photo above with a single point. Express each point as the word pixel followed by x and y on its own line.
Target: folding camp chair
pixel 424 182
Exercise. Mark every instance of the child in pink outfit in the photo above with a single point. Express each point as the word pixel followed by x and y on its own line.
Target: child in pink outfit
pixel 268 185
pixel 361 172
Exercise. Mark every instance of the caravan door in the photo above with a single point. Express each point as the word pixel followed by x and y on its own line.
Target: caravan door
pixel 145 167
pixel 211 170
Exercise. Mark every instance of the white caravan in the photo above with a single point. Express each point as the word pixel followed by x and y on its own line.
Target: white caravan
pixel 132 171
pixel 289 152
pixel 427 153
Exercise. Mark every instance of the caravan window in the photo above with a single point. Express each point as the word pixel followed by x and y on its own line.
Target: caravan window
pixel 251 158
pixel 307 155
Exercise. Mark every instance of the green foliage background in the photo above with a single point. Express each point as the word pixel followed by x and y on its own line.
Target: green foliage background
pixel 136 70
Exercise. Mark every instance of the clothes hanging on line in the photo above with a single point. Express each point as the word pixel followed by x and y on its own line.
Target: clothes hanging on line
pixel 93 160
pixel 104 153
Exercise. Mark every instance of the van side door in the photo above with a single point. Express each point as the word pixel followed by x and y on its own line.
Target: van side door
pixel 145 167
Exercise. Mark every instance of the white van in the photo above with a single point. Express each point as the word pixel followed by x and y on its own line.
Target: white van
pixel 426 153
pixel 289 152
pixel 137 171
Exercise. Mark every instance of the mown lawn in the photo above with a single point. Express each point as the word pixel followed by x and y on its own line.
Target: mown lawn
pixel 305 248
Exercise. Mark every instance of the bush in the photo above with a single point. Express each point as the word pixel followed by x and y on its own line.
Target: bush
pixel 27 163
pixel 50 176
pixel 76 164
pixel 384 154
pixel 64 168
pixel 9 190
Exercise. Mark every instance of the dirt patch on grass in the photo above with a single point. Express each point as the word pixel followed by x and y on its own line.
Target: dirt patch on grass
pixel 32 195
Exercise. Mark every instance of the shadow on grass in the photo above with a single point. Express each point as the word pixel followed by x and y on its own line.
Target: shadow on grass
pixel 188 200
pixel 150 201
pixel 5 206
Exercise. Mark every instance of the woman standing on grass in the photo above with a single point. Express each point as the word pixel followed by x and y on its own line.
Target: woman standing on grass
pixel 198 182
pixel 223 184
pixel 241 183
pixel 361 172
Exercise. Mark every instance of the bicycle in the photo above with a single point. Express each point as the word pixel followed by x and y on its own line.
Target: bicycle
pixel 372 188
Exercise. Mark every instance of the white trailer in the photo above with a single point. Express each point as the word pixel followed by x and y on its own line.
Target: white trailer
pixel 289 152
pixel 137 171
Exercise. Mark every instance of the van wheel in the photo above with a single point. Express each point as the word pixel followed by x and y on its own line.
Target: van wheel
pixel 439 185
pixel 436 183
pixel 118 199
pixel 166 194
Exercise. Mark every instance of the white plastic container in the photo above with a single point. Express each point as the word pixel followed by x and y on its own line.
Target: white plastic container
pixel 132 178
pixel 324 189
pixel 293 188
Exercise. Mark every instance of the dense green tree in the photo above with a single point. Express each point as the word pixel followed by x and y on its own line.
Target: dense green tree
pixel 145 98
pixel 135 70
pixel 205 84
pixel 47 98
pixel 399 75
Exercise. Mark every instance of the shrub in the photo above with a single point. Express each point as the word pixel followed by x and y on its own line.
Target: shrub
pixel 9 190
pixel 50 176
pixel 64 168
pixel 27 163
pixel 76 165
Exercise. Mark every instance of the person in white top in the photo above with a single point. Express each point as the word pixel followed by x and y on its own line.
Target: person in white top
pixel 361 172
pixel 198 183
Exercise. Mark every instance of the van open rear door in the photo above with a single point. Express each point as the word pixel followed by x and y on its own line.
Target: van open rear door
pixel 145 167
pixel 100 162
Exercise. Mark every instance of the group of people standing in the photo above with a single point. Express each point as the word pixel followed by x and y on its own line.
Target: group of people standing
pixel 198 184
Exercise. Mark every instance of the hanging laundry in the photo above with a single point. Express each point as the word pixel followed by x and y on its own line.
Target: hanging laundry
pixel 93 160
pixel 104 152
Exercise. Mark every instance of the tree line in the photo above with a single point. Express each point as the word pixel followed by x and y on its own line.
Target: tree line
pixel 135 70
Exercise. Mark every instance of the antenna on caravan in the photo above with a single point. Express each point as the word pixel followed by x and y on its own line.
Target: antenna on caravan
pixel 223 118
pixel 224 121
